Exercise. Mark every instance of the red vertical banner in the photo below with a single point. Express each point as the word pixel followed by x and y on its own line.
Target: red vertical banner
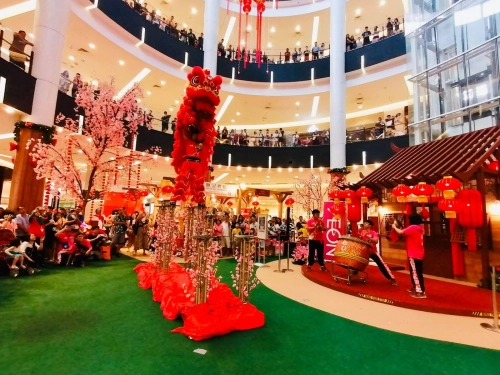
pixel 335 229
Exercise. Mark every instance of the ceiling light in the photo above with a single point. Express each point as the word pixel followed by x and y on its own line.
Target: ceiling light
pixel 360 106
pixel 296 115
pixel 194 11
pixel 121 62
pixel 138 100
pixel 249 28
pixel 176 102
pixel 269 45
pixel 32 36
pixel 314 110
pixel 89 139
pixel 279 169
pixel 267 176
pixel 272 29
pixel 243 175
pixel 297 103
pixel 237 113
pixel 92 45
pixel 249 168
pixel 358 12
pixel 238 167
pixel 289 169
pixel 149 93
pixel 72 58
pixel 382 3
pixel 298 43
pixel 80 151
pixel 237 179
pixel 184 25
pixel 145 169
pixel 295 176
pixel 242 43
pixel 60 129
pixel 162 82
pixel 9 110
pixel 95 82
pixel 321 169
pixel 297 28
pixel 357 31
pixel 232 120
pixel 259 169
pixel 301 169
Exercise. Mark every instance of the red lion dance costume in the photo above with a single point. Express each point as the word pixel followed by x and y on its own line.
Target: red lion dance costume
pixel 194 137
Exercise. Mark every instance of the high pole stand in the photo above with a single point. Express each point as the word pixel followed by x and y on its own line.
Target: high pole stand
pixel 202 280
pixel 279 262
pixel 288 235
pixel 488 326
pixel 263 263
pixel 288 257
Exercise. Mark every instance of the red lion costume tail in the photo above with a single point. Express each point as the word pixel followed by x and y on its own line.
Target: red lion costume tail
pixel 194 136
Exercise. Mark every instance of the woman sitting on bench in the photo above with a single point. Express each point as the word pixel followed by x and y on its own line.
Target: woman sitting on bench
pixel 13 252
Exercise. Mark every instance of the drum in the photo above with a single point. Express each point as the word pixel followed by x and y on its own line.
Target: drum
pixel 352 252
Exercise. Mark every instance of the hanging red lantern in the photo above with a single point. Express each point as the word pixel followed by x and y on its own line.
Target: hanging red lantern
pixel 401 193
pixel 261 7
pixel 289 201
pixel 336 195
pixel 337 210
pixel 422 191
pixel 494 166
pixel 425 213
pixel 354 214
pixel 471 214
pixel 229 203
pixel 349 195
pixel 449 206
pixel 255 203
pixel 167 189
pixel 364 193
pixel 447 185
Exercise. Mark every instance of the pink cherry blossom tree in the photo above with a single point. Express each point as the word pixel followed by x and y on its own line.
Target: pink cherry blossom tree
pixel 93 156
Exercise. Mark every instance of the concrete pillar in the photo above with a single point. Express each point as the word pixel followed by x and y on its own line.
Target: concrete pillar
pixel 210 36
pixel 337 84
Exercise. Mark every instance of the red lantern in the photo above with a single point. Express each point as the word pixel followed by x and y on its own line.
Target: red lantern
pixel 354 214
pixel 425 213
pixel 401 193
pixel 337 210
pixel 167 189
pixel 450 207
pixel 364 193
pixel 422 191
pixel 12 146
pixel 471 214
pixel 349 195
pixel 447 185
pixel 336 195
pixel 289 201
pixel 255 203
pixel 494 166
pixel 229 203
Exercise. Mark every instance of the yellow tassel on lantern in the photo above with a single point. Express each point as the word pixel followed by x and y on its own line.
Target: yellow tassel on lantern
pixel 364 200
pixel 423 199
pixel 336 217
pixel 402 199
pixel 348 200
pixel 449 194
pixel 450 214
pixel 336 201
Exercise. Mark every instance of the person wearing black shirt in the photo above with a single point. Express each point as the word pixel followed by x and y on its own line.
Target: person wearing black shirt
pixel 366 37
pixel 220 48
pixel 200 41
pixel 174 122
pixel 390 27
pixel 191 37
pixel 97 240
pixel 164 122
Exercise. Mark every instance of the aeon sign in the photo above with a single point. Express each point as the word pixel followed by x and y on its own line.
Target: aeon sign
pixel 335 229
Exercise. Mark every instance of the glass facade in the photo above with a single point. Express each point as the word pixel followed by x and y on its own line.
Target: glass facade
pixel 455 67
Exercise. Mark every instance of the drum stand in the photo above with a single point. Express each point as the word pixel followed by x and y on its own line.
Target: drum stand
pixel 358 275
pixel 493 327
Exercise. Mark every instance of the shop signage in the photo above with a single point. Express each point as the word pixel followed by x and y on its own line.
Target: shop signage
pixel 334 229
pixel 262 193
pixel 220 190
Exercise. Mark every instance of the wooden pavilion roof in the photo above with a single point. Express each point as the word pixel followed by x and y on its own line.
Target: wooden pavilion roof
pixel 460 156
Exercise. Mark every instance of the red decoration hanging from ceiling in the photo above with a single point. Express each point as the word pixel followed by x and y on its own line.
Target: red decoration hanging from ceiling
pixel 422 191
pixel 401 193
pixel 448 185
pixel 261 7
pixel 246 7
pixel 289 201
pixel 450 207
pixel 364 193
pixel 471 214
pixel 349 195
pixel 354 214
pixel 336 195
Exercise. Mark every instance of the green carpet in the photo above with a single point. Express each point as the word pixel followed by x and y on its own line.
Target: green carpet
pixel 97 321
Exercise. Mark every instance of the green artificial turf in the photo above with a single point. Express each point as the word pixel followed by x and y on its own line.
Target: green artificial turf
pixel 97 321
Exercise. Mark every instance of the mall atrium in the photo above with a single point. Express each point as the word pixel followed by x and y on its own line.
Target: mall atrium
pixel 214 151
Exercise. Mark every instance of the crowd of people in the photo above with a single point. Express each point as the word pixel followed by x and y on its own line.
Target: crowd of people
pixel 393 26
pixel 61 236
pixel 269 139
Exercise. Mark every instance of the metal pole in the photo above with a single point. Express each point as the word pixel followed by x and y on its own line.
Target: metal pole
pixel 288 234
pixel 279 263
pixel 488 326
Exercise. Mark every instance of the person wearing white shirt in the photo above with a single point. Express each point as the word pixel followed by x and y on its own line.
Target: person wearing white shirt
pixel 226 236
pixel 295 139
pixel 276 136
pixel 261 138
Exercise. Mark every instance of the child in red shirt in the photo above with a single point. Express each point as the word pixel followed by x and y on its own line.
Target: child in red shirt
pixel 415 249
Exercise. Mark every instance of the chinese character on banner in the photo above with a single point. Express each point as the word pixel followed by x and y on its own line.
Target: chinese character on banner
pixel 335 229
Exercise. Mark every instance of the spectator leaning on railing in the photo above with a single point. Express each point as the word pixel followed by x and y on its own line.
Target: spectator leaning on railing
pixel 16 49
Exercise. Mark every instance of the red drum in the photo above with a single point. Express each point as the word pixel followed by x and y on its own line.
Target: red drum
pixel 352 252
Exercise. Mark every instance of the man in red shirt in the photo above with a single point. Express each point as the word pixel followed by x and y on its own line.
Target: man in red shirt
pixel 316 227
pixel 81 249
pixel 64 248
pixel 415 249
pixel 369 235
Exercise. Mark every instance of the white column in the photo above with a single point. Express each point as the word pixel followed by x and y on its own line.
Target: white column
pixel 210 37
pixel 51 21
pixel 337 84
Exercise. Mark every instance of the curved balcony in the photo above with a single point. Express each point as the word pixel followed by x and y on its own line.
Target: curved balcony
pixel 128 19
pixel 377 151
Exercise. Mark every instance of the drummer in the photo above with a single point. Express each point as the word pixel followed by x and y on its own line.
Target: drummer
pixel 369 235
pixel 316 227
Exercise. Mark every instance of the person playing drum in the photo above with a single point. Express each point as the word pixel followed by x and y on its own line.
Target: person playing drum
pixel 369 235
pixel 316 227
